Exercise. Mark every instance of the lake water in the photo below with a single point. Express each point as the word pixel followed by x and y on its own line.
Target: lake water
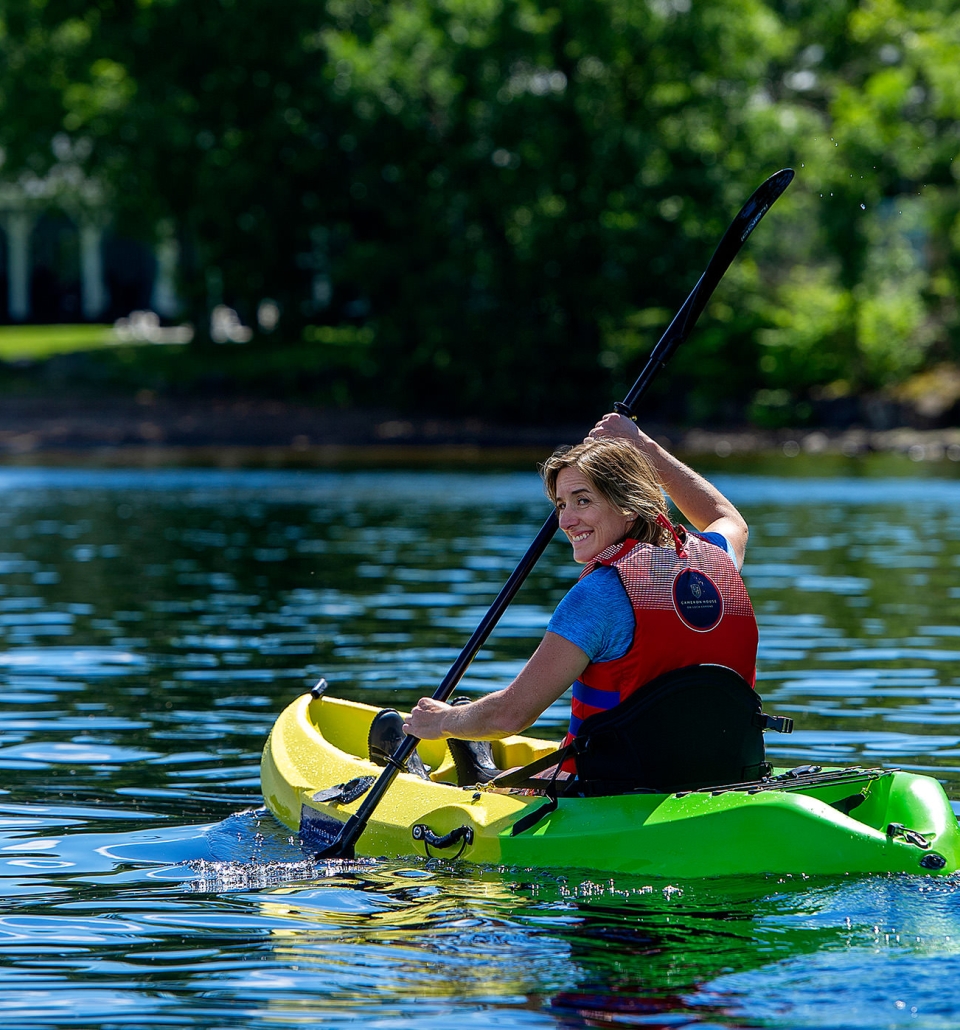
pixel 155 623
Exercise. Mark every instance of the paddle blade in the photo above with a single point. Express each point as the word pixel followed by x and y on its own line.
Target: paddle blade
pixel 338 849
pixel 746 220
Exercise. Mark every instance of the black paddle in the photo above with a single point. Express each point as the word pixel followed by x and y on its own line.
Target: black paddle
pixel 678 330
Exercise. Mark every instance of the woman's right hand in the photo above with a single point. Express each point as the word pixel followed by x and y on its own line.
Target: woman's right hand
pixel 614 425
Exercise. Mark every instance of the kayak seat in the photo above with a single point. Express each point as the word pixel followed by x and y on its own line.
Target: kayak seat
pixel 699 726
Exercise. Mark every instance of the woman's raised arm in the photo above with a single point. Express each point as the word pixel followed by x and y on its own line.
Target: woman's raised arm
pixel 701 503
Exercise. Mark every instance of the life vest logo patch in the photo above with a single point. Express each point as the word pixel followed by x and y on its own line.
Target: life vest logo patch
pixel 697 600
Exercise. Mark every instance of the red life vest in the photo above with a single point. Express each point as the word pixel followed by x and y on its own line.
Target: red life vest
pixel 689 609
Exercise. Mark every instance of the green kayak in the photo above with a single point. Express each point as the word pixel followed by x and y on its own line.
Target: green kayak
pixel 803 821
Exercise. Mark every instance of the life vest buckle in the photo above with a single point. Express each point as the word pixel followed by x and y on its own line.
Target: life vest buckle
pixel 778 723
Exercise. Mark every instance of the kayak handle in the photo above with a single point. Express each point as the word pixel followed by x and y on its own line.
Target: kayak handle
pixel 462 835
pixel 898 830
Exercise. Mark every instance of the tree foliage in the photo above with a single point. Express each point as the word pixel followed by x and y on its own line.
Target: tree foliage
pixel 512 196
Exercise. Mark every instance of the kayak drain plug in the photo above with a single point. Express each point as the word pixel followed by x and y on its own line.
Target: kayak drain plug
pixel 932 861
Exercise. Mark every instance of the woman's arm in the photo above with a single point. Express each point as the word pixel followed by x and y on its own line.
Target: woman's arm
pixel 702 504
pixel 554 665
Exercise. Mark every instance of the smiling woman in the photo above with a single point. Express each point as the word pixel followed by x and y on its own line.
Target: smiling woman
pixel 653 598
pixel 588 510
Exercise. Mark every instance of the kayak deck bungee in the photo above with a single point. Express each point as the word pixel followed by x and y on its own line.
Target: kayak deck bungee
pixel 812 821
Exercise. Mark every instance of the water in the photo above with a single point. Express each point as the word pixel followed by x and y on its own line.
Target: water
pixel 154 624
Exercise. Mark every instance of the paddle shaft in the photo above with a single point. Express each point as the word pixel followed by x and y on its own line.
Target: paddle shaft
pixel 353 827
pixel 678 331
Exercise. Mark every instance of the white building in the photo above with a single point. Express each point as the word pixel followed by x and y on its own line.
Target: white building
pixel 58 260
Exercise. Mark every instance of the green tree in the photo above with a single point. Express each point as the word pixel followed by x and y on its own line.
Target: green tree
pixel 511 197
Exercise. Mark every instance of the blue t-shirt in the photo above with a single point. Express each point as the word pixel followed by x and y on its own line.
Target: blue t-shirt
pixel 597 615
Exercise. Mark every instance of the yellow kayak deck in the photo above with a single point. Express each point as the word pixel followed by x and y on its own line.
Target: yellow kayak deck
pixel 837 822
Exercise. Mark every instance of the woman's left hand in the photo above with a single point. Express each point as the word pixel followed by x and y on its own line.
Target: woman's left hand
pixel 426 720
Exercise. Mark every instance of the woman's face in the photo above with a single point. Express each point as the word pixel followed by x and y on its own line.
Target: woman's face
pixel 590 521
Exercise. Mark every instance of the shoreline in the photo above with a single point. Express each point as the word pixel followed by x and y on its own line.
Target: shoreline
pixel 150 431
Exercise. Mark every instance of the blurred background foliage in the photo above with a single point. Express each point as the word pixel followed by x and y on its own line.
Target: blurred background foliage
pixel 495 206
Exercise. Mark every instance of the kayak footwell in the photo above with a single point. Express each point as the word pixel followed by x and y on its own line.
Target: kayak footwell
pixel 828 822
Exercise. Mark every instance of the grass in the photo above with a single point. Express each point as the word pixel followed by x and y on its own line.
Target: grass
pixel 35 342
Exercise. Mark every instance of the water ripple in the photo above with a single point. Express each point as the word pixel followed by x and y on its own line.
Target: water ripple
pixel 155 622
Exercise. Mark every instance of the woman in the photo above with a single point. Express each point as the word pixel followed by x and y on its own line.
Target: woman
pixel 651 600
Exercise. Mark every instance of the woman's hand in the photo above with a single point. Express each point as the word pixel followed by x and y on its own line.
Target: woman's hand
pixel 426 720
pixel 701 503
pixel 614 425
pixel 554 665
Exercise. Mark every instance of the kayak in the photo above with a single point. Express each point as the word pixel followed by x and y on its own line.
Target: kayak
pixel 810 820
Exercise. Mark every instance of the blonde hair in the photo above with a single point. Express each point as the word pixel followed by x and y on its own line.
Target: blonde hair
pixel 622 475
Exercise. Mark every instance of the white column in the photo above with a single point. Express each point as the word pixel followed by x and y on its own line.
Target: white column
pixel 93 294
pixel 164 299
pixel 19 225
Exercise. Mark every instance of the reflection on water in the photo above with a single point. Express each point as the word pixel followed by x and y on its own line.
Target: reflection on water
pixel 153 624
